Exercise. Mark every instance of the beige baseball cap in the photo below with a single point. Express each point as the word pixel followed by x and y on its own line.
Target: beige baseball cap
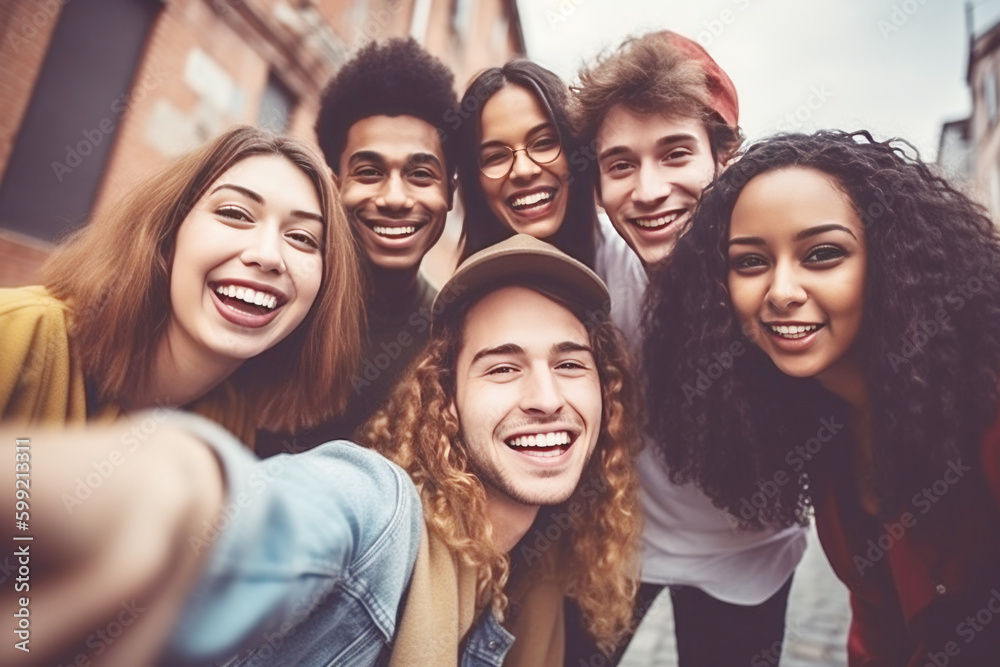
pixel 523 260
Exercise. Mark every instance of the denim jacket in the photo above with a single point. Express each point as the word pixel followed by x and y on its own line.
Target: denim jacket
pixel 487 643
pixel 309 559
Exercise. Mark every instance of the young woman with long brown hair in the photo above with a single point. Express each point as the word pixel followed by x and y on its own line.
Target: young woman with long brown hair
pixel 216 285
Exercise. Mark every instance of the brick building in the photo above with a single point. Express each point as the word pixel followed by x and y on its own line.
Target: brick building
pixel 95 94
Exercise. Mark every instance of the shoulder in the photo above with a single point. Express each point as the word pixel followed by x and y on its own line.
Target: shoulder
pixel 378 488
pixel 29 304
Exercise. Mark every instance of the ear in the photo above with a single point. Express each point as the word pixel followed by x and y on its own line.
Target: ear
pixel 452 186
pixel 452 410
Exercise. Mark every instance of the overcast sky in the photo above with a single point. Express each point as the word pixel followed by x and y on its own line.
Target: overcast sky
pixel 895 67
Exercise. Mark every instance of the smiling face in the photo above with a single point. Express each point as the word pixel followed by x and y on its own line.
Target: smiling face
pixel 797 258
pixel 652 170
pixel 528 397
pixel 394 186
pixel 531 199
pixel 247 263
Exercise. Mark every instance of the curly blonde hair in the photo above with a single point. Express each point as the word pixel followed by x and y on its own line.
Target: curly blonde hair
pixel 595 556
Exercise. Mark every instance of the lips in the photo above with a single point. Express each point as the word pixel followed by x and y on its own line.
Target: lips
pixel 393 230
pixel 658 221
pixel 532 203
pixel 247 305
pixel 542 444
pixel 791 331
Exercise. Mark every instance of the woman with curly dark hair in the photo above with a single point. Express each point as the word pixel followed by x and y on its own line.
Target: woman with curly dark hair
pixel 825 336
pixel 516 145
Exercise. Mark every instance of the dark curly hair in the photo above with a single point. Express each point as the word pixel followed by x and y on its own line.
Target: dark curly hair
pixel 933 256
pixel 481 227
pixel 397 78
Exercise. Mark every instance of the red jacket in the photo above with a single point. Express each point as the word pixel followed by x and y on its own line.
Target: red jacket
pixel 923 591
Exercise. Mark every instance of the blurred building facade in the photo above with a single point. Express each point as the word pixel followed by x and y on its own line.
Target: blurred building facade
pixel 96 94
pixel 969 149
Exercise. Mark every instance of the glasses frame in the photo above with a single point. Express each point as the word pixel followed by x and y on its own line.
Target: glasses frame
pixel 513 158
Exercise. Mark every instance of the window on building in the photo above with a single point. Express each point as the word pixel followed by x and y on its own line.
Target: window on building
pixel 990 95
pixel 276 105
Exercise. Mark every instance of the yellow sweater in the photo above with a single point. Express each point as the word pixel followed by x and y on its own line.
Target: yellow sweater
pixel 42 382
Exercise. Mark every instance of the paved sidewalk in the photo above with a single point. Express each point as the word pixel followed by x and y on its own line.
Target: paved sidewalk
pixel 815 634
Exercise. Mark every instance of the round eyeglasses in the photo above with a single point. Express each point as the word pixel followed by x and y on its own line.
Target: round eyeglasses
pixel 496 161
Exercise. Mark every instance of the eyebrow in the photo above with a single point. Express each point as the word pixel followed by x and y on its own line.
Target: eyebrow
pixel 505 349
pixel 538 128
pixel 366 156
pixel 804 234
pixel 250 194
pixel 666 140
pixel 424 158
pixel 515 349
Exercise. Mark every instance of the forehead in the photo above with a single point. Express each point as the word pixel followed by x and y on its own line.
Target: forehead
pixel 522 316
pixel 624 127
pixel 271 176
pixel 512 110
pixel 395 138
pixel 789 199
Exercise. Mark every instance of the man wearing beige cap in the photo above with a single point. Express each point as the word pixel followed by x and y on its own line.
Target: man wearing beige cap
pixel 516 425
pixel 663 118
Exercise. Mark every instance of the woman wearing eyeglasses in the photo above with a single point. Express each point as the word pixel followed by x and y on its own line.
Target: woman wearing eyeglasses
pixel 514 166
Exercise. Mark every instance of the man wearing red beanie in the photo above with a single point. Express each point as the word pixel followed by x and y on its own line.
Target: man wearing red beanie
pixel 662 117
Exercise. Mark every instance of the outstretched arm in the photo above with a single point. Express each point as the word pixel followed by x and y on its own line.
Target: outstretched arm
pixel 107 569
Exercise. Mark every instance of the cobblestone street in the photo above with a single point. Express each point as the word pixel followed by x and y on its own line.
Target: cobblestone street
pixel 815 634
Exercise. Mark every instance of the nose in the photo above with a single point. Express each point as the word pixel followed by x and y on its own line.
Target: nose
pixel 651 186
pixel 786 290
pixel 541 393
pixel 264 248
pixel 394 195
pixel 524 167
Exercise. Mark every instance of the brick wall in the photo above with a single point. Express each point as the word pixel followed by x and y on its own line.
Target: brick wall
pixel 25 30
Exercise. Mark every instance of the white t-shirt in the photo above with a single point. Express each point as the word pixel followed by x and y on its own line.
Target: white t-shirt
pixel 686 539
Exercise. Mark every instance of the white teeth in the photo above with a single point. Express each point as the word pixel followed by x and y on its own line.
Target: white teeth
pixel 661 221
pixel 793 331
pixel 530 200
pixel 541 440
pixel 393 231
pixel 258 297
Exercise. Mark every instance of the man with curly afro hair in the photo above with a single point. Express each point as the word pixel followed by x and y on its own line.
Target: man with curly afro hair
pixel 381 129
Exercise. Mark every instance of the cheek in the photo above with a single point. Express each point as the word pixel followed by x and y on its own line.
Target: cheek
pixel 491 191
pixel 744 298
pixel 560 168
